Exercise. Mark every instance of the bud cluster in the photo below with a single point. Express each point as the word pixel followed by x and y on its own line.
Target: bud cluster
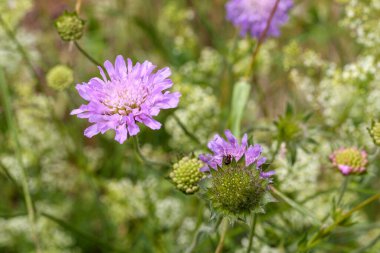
pixel 374 131
pixel 186 175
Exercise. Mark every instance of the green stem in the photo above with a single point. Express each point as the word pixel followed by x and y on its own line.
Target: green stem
pixel 252 232
pixel 326 231
pixel 220 246
pixel 295 205
pixel 185 130
pixel 342 190
pixel 24 180
pixel 141 156
pixel 261 40
pixel 367 247
pixel 87 55
pixel 278 146
pixel 198 234
pixel 20 48
pixel 8 174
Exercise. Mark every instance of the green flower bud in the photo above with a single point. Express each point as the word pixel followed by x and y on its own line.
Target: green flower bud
pixel 60 77
pixel 374 131
pixel 69 26
pixel 186 175
pixel 236 190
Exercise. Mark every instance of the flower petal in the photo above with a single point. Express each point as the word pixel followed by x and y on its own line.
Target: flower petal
pixel 91 131
pixel 121 134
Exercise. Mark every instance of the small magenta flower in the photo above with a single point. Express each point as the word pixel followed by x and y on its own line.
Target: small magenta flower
pixel 226 152
pixel 251 16
pixel 349 160
pixel 132 94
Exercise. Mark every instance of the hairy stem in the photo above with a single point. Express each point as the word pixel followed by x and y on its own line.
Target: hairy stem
pixel 87 55
pixel 342 190
pixel 278 146
pixel 141 156
pixel 324 231
pixel 200 231
pixel 252 232
pixel 185 130
pixel 220 246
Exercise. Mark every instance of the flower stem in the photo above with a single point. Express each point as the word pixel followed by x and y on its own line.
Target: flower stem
pixel 278 146
pixel 141 156
pixel 87 55
pixel 261 40
pixel 20 49
pixel 295 205
pixel 342 190
pixel 24 180
pixel 252 232
pixel 8 174
pixel 185 130
pixel 324 231
pixel 219 248
pixel 201 230
pixel 78 5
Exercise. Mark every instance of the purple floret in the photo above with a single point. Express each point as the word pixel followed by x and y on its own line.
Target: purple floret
pixel 230 150
pixel 133 94
pixel 251 16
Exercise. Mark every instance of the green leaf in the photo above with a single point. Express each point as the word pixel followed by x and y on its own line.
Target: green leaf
pixel 240 97
pixel 289 110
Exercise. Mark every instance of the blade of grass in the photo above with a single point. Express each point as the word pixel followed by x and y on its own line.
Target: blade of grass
pixel 12 128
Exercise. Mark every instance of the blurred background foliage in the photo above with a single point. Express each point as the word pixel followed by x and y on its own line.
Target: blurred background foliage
pixel 315 89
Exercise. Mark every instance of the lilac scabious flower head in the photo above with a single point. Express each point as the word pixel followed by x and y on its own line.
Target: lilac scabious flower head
pixel 228 151
pixel 133 94
pixel 349 160
pixel 238 186
pixel 251 16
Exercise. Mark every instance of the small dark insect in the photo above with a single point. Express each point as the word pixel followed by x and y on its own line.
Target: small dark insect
pixel 227 159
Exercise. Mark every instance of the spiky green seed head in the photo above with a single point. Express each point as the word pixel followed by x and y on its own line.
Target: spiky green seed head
pixel 69 26
pixel 60 77
pixel 288 128
pixel 374 131
pixel 185 175
pixel 236 191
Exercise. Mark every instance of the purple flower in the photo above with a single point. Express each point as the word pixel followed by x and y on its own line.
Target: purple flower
pixel 225 152
pixel 349 160
pixel 133 94
pixel 251 16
